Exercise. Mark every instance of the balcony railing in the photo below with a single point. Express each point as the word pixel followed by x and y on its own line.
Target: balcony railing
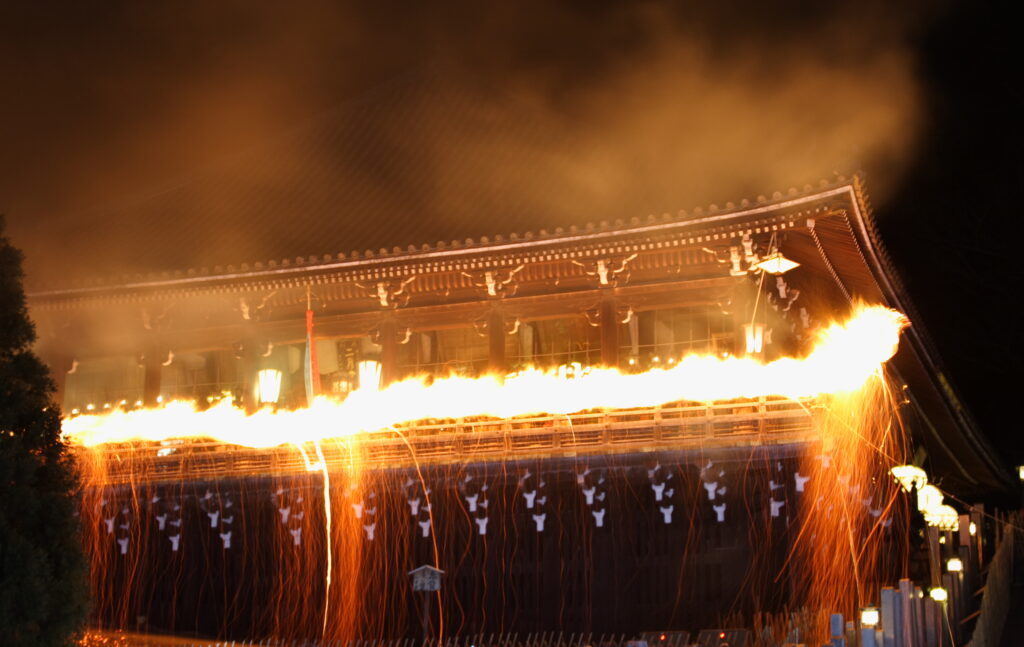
pixel 678 426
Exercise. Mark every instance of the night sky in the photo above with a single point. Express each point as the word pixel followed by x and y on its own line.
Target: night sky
pixel 141 137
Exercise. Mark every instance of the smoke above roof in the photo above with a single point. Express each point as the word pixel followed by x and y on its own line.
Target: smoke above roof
pixel 160 138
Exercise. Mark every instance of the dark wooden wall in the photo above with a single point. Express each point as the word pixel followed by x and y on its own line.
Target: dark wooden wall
pixel 633 574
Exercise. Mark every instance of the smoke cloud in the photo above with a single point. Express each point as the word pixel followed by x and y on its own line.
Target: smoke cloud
pixel 143 139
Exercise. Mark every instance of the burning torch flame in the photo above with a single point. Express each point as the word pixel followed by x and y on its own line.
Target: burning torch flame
pixel 845 356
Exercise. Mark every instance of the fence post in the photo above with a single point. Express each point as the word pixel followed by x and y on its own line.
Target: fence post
pixel 867 637
pixel 905 630
pixel 918 602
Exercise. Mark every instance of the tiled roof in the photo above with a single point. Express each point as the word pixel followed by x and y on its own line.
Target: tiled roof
pixel 808 199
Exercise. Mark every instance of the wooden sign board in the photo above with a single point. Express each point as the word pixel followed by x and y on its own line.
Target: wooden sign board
pixel 426 578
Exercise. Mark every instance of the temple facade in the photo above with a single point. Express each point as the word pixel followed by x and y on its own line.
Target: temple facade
pixel 607 520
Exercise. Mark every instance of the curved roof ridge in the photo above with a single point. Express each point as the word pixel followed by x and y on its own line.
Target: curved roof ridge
pixel 480 243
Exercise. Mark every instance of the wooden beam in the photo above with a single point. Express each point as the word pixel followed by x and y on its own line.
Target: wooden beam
pixel 152 367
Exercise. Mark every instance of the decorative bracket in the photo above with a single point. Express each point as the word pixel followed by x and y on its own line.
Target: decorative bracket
pixel 623 314
pixel 401 336
pixel 249 312
pixel 609 271
pixel 389 294
pixel 157 322
pixel 497 283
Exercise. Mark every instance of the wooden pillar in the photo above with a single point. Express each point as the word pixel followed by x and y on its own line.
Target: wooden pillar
pixel 741 303
pixel 59 361
pixel 609 321
pixel 152 360
pixel 249 364
pixel 496 341
pixel 388 336
pixel 55 342
pixel 934 556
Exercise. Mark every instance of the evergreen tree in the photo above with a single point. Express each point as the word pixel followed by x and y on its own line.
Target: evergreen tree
pixel 43 572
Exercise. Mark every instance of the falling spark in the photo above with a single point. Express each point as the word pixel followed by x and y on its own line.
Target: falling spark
pixel 322 464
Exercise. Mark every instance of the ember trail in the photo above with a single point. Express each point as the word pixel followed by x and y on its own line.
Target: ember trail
pixel 671 424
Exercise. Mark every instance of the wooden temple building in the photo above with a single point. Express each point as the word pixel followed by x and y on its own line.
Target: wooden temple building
pixel 634 294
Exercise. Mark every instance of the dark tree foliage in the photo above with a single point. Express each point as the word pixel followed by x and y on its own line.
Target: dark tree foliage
pixel 43 572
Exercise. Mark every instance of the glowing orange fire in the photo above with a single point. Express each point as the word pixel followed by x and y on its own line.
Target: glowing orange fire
pixel 844 357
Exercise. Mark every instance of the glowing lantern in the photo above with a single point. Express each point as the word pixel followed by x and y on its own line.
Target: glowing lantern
pixel 776 263
pixel 954 565
pixel 910 477
pixel 938 594
pixel 369 375
pixel 928 498
pixel 943 517
pixel 973 529
pixel 869 617
pixel 754 334
pixel 269 386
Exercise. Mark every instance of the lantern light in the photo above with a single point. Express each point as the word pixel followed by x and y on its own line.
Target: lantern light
pixel 369 375
pixel 928 498
pixel 754 335
pixel 943 517
pixel 869 617
pixel 973 529
pixel 910 477
pixel 268 388
pixel 954 565
pixel 776 263
pixel 938 594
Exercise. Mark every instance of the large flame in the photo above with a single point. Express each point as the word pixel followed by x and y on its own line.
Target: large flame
pixel 844 357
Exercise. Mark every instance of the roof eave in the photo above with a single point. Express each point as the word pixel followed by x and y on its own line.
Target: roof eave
pixel 888 279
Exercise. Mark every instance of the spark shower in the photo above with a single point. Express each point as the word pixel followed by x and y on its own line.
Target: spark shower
pixel 833 561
